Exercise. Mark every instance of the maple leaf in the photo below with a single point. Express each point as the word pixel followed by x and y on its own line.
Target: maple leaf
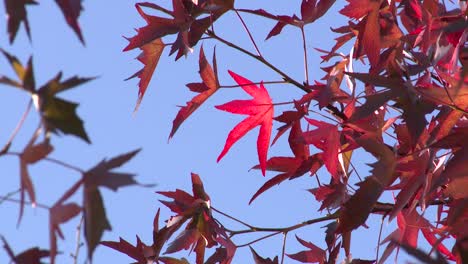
pixel 16 13
pixel 260 260
pixel 150 55
pixel 29 256
pixel 31 154
pixel 102 175
pixel 205 89
pixel 59 214
pixel 58 115
pixel 313 255
pixel 184 22
pixel 202 230
pixel 135 252
pixel 260 111
pixel 71 10
pixel 327 138
pixel 356 210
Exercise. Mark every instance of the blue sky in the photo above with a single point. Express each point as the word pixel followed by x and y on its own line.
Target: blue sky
pixel 107 103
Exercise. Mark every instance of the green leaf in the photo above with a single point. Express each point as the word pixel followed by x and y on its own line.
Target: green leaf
pixel 60 116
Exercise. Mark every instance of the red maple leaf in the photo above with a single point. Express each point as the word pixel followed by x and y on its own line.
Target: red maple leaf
pixel 260 111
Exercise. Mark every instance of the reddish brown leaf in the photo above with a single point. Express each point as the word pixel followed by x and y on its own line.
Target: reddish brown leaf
pixel 71 10
pixel 210 86
pixel 260 260
pixel 260 111
pixel 149 56
pixel 95 219
pixel 356 210
pixel 29 256
pixel 16 13
pixel 311 10
pixel 313 255
pixel 59 214
pixel 128 249
pixel 292 168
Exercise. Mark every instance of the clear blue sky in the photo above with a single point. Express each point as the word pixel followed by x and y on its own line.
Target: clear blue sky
pixel 107 103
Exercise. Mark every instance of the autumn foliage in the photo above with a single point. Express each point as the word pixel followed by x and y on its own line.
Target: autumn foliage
pixel 394 86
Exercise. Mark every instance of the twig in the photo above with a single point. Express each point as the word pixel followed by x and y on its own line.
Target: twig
pixel 8 195
pixel 306 63
pixel 232 218
pixel 78 243
pixel 18 127
pixel 248 33
pixel 378 240
pixel 258 239
pixel 286 77
pixel 52 160
pixel 5 198
pixel 284 247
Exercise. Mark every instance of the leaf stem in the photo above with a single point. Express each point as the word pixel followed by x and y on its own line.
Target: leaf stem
pixel 17 128
pixel 306 63
pixel 248 33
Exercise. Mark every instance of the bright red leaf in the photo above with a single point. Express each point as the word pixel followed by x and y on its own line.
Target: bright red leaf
pixel 260 111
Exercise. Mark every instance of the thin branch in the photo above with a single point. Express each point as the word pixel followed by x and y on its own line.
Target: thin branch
pixel 8 195
pixel 258 239
pixel 283 250
pixel 78 241
pixel 52 160
pixel 232 218
pixel 378 240
pixel 248 33
pixel 306 63
pixel 286 77
pixel 18 127
pixel 5 198
pixel 289 228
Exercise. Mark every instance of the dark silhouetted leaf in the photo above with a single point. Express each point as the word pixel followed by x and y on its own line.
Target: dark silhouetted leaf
pixel 16 13
pixel 71 10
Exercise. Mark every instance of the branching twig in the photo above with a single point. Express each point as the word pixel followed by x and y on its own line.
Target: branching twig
pixel 248 33
pixel 8 195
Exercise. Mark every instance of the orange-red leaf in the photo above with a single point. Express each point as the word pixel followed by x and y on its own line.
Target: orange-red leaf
pixel 150 55
pixel 260 111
